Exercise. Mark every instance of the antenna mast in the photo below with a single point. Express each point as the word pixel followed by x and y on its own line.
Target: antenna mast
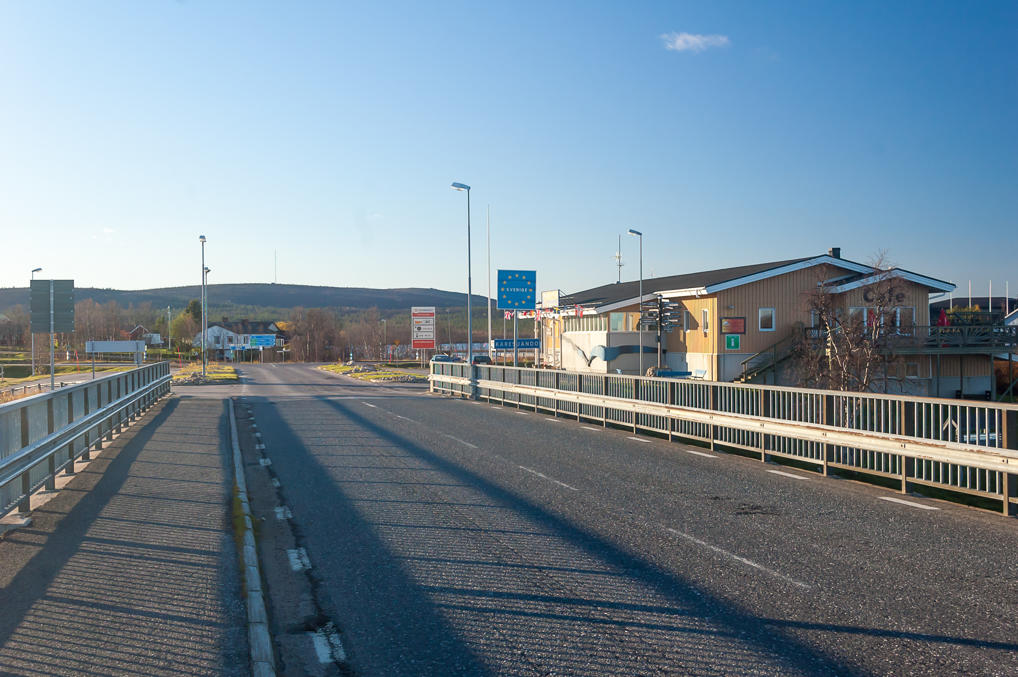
pixel 618 260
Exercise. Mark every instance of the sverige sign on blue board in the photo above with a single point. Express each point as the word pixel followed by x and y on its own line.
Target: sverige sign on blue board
pixel 517 289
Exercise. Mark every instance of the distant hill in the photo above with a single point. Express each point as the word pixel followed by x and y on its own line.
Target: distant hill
pixel 265 295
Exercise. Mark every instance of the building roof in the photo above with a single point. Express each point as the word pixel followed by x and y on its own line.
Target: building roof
pixel 247 327
pixel 623 291
pixel 610 296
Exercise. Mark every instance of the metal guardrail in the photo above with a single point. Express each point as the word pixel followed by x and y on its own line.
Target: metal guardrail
pixel 958 446
pixel 43 434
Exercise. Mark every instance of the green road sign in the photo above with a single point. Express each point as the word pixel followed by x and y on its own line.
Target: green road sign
pixel 732 341
pixel 63 306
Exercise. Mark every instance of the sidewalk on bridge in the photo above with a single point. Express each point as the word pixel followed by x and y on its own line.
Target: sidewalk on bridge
pixel 131 568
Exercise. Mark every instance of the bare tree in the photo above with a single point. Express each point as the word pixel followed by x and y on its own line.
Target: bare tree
pixel 854 349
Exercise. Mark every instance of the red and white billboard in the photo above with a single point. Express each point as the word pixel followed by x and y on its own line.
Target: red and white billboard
pixel 422 321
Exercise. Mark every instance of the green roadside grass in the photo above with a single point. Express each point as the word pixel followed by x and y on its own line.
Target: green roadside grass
pixel 216 372
pixel 374 375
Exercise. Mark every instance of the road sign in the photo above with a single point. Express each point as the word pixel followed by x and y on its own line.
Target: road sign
pixel 517 289
pixel 423 327
pixel 63 306
pixel 98 347
pixel 522 344
pixel 733 341
pixel 261 341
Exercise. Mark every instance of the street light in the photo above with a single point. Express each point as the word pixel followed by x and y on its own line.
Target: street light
pixel 470 325
pixel 640 323
pixel 205 335
pixel 30 330
pixel 204 270
pixel 385 338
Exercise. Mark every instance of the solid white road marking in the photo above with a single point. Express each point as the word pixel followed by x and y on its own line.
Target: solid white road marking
pixel 328 646
pixel 787 474
pixel 737 558
pixel 472 446
pixel 700 453
pixel 283 512
pixel 561 484
pixel 638 439
pixel 892 499
pixel 368 404
pixel 298 559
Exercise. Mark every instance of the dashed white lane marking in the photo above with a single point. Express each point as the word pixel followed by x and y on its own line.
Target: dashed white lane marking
pixel 545 477
pixel 638 439
pixel 737 558
pixel 700 453
pixel 787 474
pixel 254 425
pixel 368 404
pixel 522 412
pixel 892 499
pixel 283 512
pixel 404 418
pixel 265 461
pixel 587 427
pixel 553 420
pixel 328 646
pixel 260 447
pixel 258 436
pixel 275 482
pixel 299 560
pixel 464 442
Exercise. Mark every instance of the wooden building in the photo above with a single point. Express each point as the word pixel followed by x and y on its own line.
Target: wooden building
pixel 740 324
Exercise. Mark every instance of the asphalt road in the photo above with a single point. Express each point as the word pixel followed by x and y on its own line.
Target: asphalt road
pixel 451 537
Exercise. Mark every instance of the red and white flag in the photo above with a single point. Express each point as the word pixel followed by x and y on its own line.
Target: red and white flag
pixel 579 311
pixel 508 314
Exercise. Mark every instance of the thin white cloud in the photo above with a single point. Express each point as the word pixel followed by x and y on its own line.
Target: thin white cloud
pixel 693 42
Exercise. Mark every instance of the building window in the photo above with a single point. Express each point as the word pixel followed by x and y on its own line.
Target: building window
pixel 766 319
pixel 705 321
pixel 911 370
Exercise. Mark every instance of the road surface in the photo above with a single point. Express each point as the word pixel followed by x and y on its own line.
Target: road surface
pixel 453 537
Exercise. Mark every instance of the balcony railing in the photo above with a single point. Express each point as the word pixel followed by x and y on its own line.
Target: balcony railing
pixel 924 338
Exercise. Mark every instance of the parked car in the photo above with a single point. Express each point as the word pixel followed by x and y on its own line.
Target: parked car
pixel 441 357
pixel 481 359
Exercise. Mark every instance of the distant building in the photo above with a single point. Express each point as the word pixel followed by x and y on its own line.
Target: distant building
pixel 226 335
pixel 740 324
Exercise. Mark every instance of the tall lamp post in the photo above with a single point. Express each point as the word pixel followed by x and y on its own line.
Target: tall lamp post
pixel 201 238
pixel 640 323
pixel 205 335
pixel 30 330
pixel 385 338
pixel 470 326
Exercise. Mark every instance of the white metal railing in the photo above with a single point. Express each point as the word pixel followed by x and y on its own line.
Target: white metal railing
pixel 957 445
pixel 43 434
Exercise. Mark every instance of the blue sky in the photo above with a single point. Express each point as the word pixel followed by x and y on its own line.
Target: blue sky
pixel 729 133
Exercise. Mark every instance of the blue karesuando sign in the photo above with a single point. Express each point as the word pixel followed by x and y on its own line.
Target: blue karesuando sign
pixel 517 289
pixel 522 344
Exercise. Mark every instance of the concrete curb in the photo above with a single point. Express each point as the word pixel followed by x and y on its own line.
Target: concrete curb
pixel 263 664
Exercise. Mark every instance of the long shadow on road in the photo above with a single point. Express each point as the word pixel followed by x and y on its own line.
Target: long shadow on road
pixel 471 630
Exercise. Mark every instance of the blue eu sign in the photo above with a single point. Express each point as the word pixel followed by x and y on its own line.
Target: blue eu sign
pixel 517 289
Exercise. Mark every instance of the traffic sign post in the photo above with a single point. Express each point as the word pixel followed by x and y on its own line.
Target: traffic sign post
pixel 52 305
pixel 517 290
pixel 422 320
